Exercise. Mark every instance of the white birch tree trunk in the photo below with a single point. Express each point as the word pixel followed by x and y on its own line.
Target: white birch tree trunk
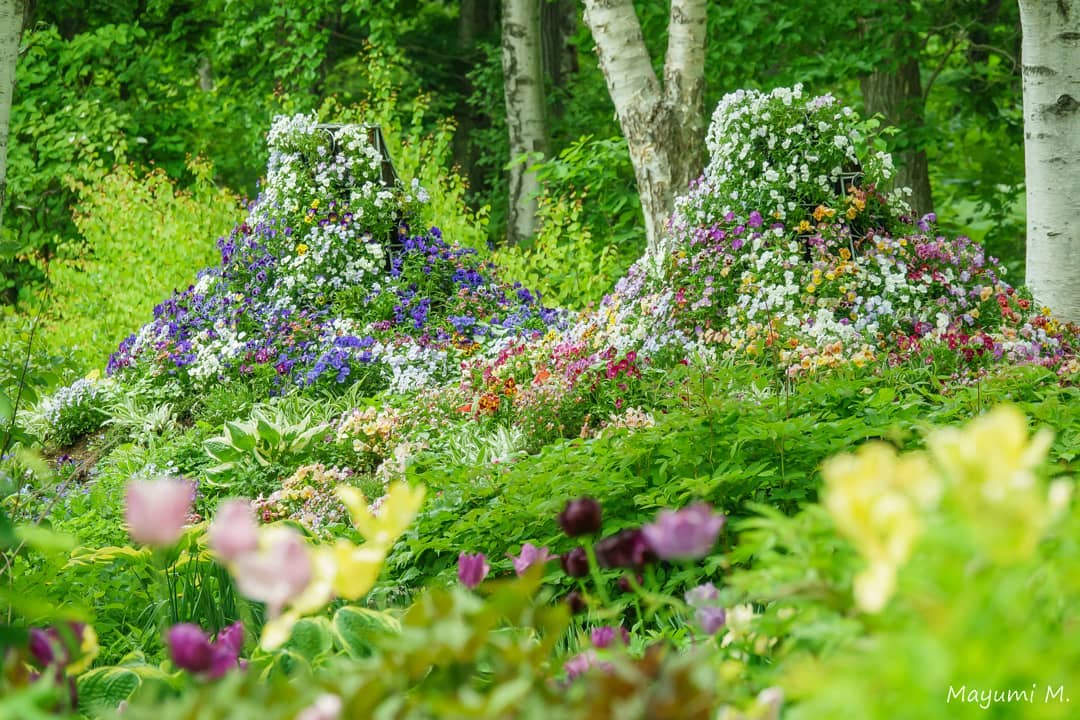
pixel 11 25
pixel 1051 69
pixel 523 76
pixel 663 126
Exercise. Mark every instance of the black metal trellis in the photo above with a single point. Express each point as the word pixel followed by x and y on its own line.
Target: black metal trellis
pixel 395 241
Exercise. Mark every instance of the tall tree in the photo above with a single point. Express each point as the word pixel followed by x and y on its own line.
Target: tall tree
pixel 12 15
pixel 664 125
pixel 897 94
pixel 523 76
pixel 1051 69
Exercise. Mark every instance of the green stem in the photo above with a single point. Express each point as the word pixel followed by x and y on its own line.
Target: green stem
pixel 594 571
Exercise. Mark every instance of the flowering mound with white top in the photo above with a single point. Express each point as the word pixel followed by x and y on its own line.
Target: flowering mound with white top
pixel 788 251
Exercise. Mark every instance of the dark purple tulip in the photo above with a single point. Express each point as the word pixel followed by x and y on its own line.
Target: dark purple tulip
pixel 41 646
pixel 624 582
pixel 52 647
pixel 580 517
pixel 625 549
pixel 576 602
pixel 685 534
pixel 190 648
pixel 575 563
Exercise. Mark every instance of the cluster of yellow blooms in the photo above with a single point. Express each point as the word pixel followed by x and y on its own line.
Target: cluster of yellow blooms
pixel 983 475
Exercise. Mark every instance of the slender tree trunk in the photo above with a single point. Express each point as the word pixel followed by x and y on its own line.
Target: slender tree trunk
pixel 664 126
pixel 897 94
pixel 558 23
pixel 12 15
pixel 1051 68
pixel 523 79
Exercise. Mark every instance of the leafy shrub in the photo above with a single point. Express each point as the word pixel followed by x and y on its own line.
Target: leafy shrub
pixel 130 221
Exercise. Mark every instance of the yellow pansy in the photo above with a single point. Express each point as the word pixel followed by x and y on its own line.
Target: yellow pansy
pixel 301 249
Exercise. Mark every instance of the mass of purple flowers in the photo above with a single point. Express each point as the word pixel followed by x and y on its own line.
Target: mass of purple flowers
pixel 242 319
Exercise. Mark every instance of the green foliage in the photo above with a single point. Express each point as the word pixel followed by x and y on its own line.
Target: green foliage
pixel 128 221
pixel 267 437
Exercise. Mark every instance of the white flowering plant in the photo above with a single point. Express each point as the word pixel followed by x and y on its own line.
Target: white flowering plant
pixel 782 153
pixel 73 411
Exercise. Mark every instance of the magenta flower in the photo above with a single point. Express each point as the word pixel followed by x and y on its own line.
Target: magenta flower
pixel 530 555
pixel 234 531
pixel 190 649
pixel 580 664
pixel 603 636
pixel 156 510
pixel 685 534
pixel 580 517
pixel 472 569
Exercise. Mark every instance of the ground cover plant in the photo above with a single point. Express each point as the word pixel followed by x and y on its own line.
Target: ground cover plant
pixel 813 454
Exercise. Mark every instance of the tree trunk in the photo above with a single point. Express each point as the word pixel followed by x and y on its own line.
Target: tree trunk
pixel 523 79
pixel 897 94
pixel 664 127
pixel 12 15
pixel 558 23
pixel 1051 68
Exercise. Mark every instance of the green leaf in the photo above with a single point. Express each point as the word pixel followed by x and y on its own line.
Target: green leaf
pixel 45 540
pixel 239 437
pixel 219 449
pixel 103 689
pixel 311 638
pixel 267 432
pixel 6 409
pixel 356 627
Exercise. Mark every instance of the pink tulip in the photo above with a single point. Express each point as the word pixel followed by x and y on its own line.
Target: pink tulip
pixel 685 534
pixel 275 573
pixel 530 555
pixel 156 510
pixel 472 569
pixel 234 531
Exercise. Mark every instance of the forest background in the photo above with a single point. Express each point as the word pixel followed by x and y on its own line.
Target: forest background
pixel 137 127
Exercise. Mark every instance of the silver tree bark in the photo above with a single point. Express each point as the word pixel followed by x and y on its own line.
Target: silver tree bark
pixel 523 77
pixel 11 25
pixel 664 125
pixel 1051 69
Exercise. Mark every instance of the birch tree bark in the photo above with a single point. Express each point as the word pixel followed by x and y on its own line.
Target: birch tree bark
pixel 1051 70
pixel 523 77
pixel 12 14
pixel 664 124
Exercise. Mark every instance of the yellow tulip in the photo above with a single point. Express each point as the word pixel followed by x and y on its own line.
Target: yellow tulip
pixel 395 514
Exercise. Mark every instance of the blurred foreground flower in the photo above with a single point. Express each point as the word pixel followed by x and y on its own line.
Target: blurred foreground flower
pixel 156 510
pixel 234 530
pixel 190 649
pixel 472 569
pixel 581 516
pixel 530 555
pixel 709 616
pixel 685 534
